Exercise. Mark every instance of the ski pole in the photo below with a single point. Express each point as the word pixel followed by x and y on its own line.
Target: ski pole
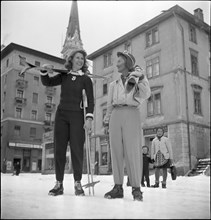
pixel 90 163
pixel 87 154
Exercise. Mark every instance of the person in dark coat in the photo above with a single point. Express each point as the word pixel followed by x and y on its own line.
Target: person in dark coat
pixel 146 161
pixel 17 168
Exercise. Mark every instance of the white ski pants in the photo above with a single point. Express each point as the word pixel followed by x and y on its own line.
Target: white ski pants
pixel 125 132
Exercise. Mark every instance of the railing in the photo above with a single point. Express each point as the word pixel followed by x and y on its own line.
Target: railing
pixel 20 101
pixel 21 83
pixel 48 125
pixel 50 90
pixel 49 106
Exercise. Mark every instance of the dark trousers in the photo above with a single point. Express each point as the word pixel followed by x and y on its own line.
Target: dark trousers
pixel 157 174
pixel 69 127
pixel 146 176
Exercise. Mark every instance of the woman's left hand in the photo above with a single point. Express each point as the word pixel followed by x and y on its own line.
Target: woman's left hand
pixel 88 126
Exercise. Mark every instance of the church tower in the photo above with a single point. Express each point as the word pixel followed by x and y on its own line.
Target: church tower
pixel 73 38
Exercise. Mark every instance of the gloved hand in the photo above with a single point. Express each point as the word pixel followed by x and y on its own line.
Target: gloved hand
pixel 47 68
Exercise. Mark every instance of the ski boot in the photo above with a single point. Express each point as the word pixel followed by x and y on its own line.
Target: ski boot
pixel 137 194
pixel 163 185
pixel 57 190
pixel 78 189
pixel 116 192
pixel 155 186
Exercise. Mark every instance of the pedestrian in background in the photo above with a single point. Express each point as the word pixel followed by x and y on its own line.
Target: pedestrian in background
pixel 146 160
pixel 17 168
pixel 162 156
pixel 145 173
pixel 125 96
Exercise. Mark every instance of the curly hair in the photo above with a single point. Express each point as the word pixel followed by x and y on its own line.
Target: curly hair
pixel 68 64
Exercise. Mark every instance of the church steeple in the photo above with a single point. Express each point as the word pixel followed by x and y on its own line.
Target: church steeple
pixel 73 38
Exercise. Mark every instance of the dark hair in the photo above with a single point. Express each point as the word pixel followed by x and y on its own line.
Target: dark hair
pixel 161 129
pixel 145 146
pixel 68 64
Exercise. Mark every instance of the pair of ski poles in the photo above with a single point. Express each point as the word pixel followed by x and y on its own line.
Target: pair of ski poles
pixel 90 167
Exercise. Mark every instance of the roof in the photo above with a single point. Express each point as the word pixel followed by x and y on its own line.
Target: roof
pixel 12 46
pixel 144 27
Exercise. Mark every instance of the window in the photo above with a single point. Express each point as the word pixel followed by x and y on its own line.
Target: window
pixel 48 116
pixel 36 80
pixel 32 132
pixel 4 98
pixel 21 63
pixel 7 62
pixel 194 63
pixel 105 88
pixel 5 79
pixel 192 33
pixel 104 113
pixel 150 106
pixel 152 37
pixel 154 105
pixel 18 112
pixel 128 47
pixel 34 115
pixel 19 93
pixel 35 98
pixel 108 60
pixel 37 63
pixel 49 99
pixel 197 98
pixel 157 104
pixel 17 130
pixel 153 67
pixel 197 102
pixel 104 154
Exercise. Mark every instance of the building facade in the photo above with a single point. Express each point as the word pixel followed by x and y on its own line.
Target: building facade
pixel 173 48
pixel 27 108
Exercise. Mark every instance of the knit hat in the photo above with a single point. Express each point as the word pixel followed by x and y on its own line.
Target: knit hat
pixel 130 59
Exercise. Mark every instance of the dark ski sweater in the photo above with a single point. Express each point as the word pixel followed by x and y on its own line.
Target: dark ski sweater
pixel 71 91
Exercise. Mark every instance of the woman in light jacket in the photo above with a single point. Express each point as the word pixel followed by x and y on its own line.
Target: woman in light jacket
pixel 161 154
pixel 125 97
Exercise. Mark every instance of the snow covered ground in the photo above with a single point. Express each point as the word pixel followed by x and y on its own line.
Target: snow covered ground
pixel 26 196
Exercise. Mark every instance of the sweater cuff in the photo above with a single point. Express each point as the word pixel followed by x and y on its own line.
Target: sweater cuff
pixel 43 72
pixel 89 115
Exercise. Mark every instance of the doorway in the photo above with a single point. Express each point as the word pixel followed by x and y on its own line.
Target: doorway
pixel 16 160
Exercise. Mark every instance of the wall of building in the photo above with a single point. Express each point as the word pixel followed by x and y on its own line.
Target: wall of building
pixel 9 75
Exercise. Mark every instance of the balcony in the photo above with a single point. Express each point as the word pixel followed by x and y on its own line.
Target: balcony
pixel 20 101
pixel 48 125
pixel 50 90
pixel 21 83
pixel 49 107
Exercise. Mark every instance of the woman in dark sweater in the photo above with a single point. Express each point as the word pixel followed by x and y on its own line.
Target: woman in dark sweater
pixel 69 119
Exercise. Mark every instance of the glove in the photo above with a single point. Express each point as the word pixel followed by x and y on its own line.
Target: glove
pixel 47 68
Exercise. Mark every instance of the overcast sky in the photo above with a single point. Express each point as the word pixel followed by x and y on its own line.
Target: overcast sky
pixel 41 25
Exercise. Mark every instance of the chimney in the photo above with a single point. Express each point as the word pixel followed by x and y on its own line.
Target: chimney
pixel 199 14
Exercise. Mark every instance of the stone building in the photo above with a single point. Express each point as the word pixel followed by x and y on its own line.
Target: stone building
pixel 173 48
pixel 27 108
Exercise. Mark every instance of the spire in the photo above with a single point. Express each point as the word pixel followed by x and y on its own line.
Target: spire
pixel 73 38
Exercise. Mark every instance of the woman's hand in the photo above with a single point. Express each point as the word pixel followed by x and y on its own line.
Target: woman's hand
pixel 47 68
pixel 88 126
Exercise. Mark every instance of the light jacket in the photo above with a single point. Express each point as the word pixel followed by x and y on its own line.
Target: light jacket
pixel 117 95
pixel 163 145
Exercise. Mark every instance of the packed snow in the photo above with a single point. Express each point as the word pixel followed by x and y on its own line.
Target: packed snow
pixel 26 196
